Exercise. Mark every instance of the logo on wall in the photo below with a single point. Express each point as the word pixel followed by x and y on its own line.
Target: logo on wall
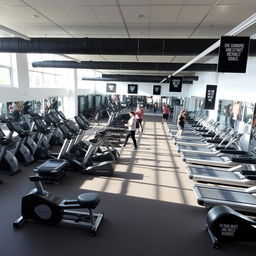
pixel 157 90
pixel 133 88
pixel 175 84
pixel 210 96
pixel 233 54
pixel 111 88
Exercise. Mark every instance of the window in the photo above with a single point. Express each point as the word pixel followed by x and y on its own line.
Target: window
pixel 48 77
pixel 6 69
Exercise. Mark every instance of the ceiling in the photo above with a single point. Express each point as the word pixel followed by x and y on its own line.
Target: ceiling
pixel 126 19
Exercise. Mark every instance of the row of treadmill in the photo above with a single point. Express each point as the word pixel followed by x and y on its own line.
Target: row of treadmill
pixel 225 177
pixel 37 135
pixel 94 156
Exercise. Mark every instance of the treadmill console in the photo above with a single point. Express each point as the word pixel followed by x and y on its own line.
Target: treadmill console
pixel 61 114
pixel 64 129
pixel 70 124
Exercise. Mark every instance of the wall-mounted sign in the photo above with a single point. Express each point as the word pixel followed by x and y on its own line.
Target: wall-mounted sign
pixel 156 90
pixel 133 88
pixel 210 96
pixel 111 88
pixel 175 84
pixel 233 54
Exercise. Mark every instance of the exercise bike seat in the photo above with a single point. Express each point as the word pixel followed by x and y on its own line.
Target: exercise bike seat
pixel 89 200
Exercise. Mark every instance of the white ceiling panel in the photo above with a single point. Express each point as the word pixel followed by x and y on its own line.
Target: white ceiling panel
pixel 138 29
pixel 40 2
pixel 182 59
pixel 107 14
pixel 199 2
pixel 21 15
pixel 81 14
pixel 122 58
pixel 92 29
pixel 182 30
pixel 164 14
pixel 134 2
pixel 160 30
pixel 167 2
pixel 237 2
pixel 187 14
pixel 11 3
pixel 229 14
pixel 115 29
pixel 144 58
pixel 57 14
pixel 131 14
pixel 98 2
pixel 211 31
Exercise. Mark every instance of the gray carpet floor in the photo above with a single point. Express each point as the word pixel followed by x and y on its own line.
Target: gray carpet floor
pixel 149 208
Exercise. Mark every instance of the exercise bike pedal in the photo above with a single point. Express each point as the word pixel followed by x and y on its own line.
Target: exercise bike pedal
pixel 19 222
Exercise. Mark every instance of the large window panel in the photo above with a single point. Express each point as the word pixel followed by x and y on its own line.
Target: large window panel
pixel 36 79
pixel 5 76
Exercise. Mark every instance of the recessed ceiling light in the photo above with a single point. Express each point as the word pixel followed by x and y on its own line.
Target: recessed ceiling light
pixel 140 16
pixel 35 16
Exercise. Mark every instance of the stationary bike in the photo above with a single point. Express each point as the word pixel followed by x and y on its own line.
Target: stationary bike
pixel 224 223
pixel 43 207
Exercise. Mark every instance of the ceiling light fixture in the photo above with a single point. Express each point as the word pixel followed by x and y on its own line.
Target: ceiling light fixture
pixel 13 32
pixel 238 29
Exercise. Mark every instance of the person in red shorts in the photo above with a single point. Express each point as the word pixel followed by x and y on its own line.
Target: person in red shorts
pixel 166 111
pixel 139 116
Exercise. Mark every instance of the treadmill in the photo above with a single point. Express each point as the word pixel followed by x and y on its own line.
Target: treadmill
pixel 223 159
pixel 243 200
pixel 242 176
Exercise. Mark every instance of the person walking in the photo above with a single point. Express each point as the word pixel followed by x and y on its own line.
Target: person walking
pixel 181 123
pixel 139 115
pixel 131 130
pixel 165 113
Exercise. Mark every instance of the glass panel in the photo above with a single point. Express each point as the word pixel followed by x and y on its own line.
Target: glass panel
pixel 5 59
pixel 35 79
pixel 5 76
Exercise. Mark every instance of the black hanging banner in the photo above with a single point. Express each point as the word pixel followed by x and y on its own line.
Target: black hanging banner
pixel 157 90
pixel 133 88
pixel 210 96
pixel 175 84
pixel 111 88
pixel 233 54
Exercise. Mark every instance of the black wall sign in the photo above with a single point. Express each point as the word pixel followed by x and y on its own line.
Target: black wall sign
pixel 233 54
pixel 133 88
pixel 157 90
pixel 210 96
pixel 111 88
pixel 175 84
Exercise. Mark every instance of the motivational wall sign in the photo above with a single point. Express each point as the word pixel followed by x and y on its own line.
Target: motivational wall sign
pixel 233 54
pixel 156 90
pixel 133 88
pixel 210 96
pixel 175 84
pixel 111 88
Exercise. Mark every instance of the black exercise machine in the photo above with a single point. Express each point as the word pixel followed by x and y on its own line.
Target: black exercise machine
pixel 224 223
pixel 43 207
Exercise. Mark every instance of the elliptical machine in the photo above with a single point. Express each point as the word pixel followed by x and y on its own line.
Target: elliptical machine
pixel 43 207
pixel 224 223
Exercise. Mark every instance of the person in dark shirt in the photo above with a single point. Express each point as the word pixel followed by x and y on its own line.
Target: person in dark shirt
pixel 181 123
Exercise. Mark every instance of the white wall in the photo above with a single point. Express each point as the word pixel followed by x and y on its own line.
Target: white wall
pixel 145 89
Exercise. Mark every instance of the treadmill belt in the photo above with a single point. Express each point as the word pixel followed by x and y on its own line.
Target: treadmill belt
pixel 226 195
pixel 204 157
pixel 183 147
pixel 213 173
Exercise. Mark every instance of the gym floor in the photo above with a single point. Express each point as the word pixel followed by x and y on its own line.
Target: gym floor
pixel 149 208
